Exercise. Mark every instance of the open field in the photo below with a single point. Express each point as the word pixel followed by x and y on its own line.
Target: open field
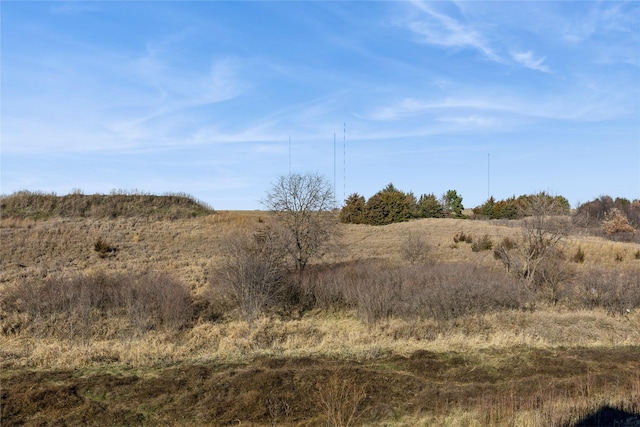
pixel 521 361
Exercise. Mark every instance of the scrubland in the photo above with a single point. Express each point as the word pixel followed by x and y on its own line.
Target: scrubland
pixel 126 321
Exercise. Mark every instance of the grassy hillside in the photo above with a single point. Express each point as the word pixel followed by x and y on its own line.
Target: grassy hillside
pixel 25 204
pixel 147 333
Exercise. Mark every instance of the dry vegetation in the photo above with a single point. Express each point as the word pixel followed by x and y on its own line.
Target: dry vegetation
pixel 127 320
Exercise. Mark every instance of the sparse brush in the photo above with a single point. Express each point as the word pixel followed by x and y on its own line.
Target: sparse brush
pixel 104 249
pixel 340 400
pixel 97 305
pixel 483 244
pixel 616 292
pixel 461 236
pixel 578 256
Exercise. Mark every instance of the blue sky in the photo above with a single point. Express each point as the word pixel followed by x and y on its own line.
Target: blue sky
pixel 218 99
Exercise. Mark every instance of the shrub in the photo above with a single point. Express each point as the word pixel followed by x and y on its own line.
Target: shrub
pixel 551 274
pixel 96 305
pixel 104 249
pixel 379 290
pixel 341 399
pixel 542 231
pixel 414 248
pixel 578 256
pixel 615 221
pixel 254 270
pixel 483 244
pixel 462 237
pixel 616 292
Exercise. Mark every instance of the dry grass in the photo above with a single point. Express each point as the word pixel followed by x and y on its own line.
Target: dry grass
pixel 189 250
pixel 339 335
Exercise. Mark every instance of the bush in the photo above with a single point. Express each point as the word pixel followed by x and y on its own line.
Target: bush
pixel 96 305
pixel 462 237
pixel 104 249
pixel 379 290
pixel 616 292
pixel 254 270
pixel 414 248
pixel 341 400
pixel 483 244
pixel 615 221
pixel 578 256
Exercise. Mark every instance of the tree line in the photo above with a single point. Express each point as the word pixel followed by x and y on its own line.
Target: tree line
pixel 391 205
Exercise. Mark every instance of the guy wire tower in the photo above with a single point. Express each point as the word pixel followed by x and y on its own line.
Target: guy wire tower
pixel 344 161
pixel 334 170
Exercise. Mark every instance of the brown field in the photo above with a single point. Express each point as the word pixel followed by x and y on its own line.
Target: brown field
pixel 539 364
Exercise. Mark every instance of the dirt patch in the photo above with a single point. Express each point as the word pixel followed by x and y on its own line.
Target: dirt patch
pixel 288 391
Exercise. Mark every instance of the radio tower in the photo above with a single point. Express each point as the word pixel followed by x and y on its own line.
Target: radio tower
pixel 334 168
pixel 344 161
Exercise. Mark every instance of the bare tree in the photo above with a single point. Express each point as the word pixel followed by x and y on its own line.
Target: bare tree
pixel 302 205
pixel 414 248
pixel 543 229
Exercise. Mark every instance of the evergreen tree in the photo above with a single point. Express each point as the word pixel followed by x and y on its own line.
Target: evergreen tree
pixel 353 211
pixel 453 204
pixel 430 207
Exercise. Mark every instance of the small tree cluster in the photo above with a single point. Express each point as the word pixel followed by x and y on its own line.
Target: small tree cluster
pixel 593 214
pixel 515 208
pixel 502 209
pixel 391 205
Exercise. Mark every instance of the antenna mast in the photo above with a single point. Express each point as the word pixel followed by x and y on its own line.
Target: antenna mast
pixel 334 170
pixel 488 176
pixel 289 155
pixel 344 161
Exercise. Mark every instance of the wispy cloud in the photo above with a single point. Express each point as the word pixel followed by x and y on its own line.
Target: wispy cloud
pixel 467 121
pixel 528 60
pixel 459 28
pixel 440 29
pixel 410 107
